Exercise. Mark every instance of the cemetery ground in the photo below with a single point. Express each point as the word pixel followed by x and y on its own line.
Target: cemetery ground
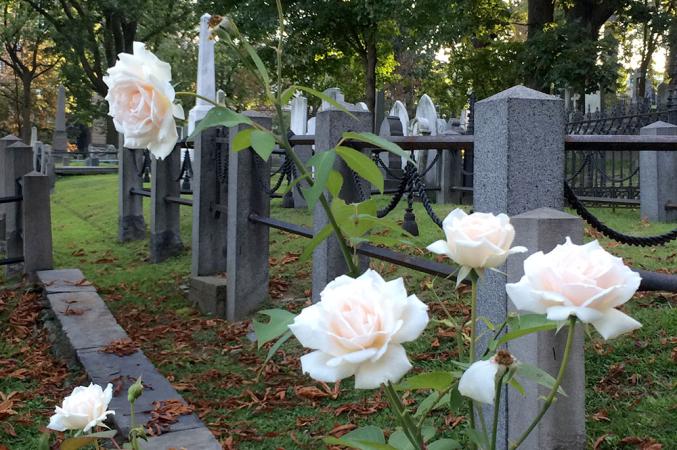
pixel 631 394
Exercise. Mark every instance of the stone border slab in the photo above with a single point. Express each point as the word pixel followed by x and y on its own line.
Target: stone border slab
pixel 64 280
pixel 87 326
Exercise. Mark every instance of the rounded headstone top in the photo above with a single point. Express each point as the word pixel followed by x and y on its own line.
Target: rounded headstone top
pixel 520 92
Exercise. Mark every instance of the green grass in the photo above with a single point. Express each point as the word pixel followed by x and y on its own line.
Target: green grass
pixel 214 364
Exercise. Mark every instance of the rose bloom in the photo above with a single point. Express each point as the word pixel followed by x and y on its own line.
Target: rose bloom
pixel 84 409
pixel 584 281
pixel 476 241
pixel 357 328
pixel 478 382
pixel 141 101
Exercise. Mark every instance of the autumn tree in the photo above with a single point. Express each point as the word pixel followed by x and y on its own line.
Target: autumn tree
pixel 28 52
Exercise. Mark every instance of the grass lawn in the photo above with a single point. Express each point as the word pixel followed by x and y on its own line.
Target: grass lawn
pixel 631 381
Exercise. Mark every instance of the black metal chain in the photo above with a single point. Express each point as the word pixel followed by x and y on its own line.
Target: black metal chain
pixel 285 172
pixel 594 222
pixel 403 187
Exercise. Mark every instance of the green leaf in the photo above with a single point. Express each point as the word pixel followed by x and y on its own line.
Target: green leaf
pixel 456 400
pixel 334 183
pixel 438 380
pixel 75 443
pixel 324 233
pixel 219 116
pixel 479 438
pixel 431 403
pixel 362 165
pixel 517 386
pixel 242 140
pixel 444 444
pixel 323 163
pixel 263 143
pixel 377 141
pixel 294 182
pixel 523 325
pixel 400 441
pixel 354 219
pixel 279 322
pixel 364 438
pixel 284 338
pixel 291 89
pixel 538 375
pixel 258 63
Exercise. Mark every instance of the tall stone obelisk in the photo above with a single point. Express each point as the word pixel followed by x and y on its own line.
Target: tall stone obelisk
pixel 60 139
pixel 206 81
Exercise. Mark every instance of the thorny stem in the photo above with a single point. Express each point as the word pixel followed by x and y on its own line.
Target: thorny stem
pixel 555 387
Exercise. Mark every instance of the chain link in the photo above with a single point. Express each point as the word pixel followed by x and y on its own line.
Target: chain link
pixel 596 223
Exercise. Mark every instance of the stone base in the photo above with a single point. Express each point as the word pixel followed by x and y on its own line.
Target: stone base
pixel 132 228
pixel 164 245
pixel 208 293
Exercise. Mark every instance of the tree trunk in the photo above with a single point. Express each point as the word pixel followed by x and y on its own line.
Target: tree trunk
pixel 370 61
pixel 540 13
pixel 26 107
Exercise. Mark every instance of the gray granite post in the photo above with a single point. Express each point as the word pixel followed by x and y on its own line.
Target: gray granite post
pixel 541 230
pixel 4 175
pixel 248 242
pixel 208 252
pixel 131 225
pixel 209 190
pixel 165 229
pixel 451 175
pixel 328 262
pixel 305 152
pixel 658 177
pixel 519 166
pixel 60 138
pixel 37 224
pixel 18 160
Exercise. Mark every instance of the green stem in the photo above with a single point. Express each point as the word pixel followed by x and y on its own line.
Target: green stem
pixel 473 319
pixel 497 403
pixel 555 387
pixel 408 427
pixel 353 269
pixel 193 94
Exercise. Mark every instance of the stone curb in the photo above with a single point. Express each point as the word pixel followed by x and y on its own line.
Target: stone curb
pixel 85 326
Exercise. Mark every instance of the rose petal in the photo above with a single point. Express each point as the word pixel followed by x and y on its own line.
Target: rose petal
pixel 392 366
pixel 439 247
pixel 414 320
pixel 613 323
pixel 478 382
pixel 315 365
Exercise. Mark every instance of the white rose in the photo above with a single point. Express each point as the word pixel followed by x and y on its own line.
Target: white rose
pixel 478 382
pixel 476 241
pixel 141 101
pixel 84 409
pixel 578 280
pixel 357 328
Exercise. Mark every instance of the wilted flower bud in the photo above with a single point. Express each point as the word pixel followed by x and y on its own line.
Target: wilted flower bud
pixel 135 391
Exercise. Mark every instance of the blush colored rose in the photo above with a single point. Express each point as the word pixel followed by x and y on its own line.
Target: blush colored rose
pixel 584 281
pixel 84 409
pixel 357 328
pixel 141 101
pixel 476 241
